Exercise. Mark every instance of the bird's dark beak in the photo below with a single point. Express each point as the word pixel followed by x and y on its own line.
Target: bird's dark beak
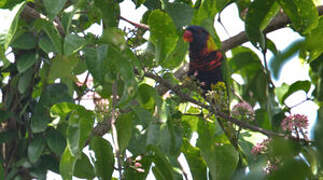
pixel 188 36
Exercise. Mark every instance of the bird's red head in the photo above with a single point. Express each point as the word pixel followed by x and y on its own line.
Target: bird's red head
pixel 201 43
pixel 188 36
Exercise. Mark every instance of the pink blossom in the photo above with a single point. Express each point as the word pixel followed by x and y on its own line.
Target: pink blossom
pixel 260 147
pixel 294 121
pixel 243 110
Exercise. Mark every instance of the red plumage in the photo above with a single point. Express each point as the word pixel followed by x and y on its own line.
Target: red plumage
pixel 205 61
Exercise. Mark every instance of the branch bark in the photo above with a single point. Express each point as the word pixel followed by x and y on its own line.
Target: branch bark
pixel 241 124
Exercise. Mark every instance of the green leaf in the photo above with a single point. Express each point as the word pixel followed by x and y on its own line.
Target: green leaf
pixel 302 13
pixel 2 3
pixel 54 93
pixel 292 169
pixel 297 86
pixel 104 163
pixel 181 13
pixel 124 127
pixel 145 117
pixel 67 164
pixel 280 59
pixel 259 15
pixel 314 44
pixel 55 141
pixel 79 129
pixel 195 161
pixel 163 169
pixel 25 61
pixel 262 119
pixel 46 44
pixel 153 136
pixel 221 158
pixel 52 33
pixel 73 43
pixel 206 10
pixel 110 12
pixel 96 62
pixel 176 57
pixel 53 7
pixel 25 81
pixel 35 148
pixel 25 41
pixel 62 67
pixel 162 34
pixel 83 168
pixel 7 35
pixel 147 96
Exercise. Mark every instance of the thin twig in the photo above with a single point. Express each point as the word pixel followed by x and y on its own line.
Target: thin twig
pixel 114 129
pixel 137 25
pixel 185 97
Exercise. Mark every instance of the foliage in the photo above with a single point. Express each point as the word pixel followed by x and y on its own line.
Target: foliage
pixel 52 68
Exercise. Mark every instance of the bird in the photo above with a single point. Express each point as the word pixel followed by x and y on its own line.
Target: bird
pixel 205 60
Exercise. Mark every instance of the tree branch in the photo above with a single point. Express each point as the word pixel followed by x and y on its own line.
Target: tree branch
pixel 185 97
pixel 30 12
pixel 114 129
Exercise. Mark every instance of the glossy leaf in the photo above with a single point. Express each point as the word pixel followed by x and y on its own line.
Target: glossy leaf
pixel 56 142
pixel 7 36
pixel 62 67
pixel 25 81
pixel 95 60
pixel 195 161
pixel 176 57
pixel 181 13
pixel 110 12
pixel 54 93
pixel 313 44
pixel 104 163
pixel 73 43
pixel 83 168
pixel 67 164
pixel 221 158
pixel 35 149
pixel 25 41
pixel 207 9
pixel 259 15
pixel 163 168
pixel 53 7
pixel 46 45
pixel 302 13
pixel 262 118
pixel 52 33
pixel 297 86
pixel 124 127
pixel 25 61
pixel 162 34
pixel 79 129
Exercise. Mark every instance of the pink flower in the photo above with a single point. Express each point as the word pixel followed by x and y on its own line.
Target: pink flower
pixel 296 124
pixel 260 147
pixel 243 110
pixel 294 121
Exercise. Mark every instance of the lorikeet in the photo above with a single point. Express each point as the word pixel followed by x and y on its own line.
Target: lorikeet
pixel 205 60
pixel 206 65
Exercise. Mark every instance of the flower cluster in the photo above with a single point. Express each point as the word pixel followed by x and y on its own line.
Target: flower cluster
pixel 296 124
pixel 260 148
pixel 135 164
pixel 243 110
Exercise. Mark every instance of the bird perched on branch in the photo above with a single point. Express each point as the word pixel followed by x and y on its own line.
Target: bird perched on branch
pixel 205 60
